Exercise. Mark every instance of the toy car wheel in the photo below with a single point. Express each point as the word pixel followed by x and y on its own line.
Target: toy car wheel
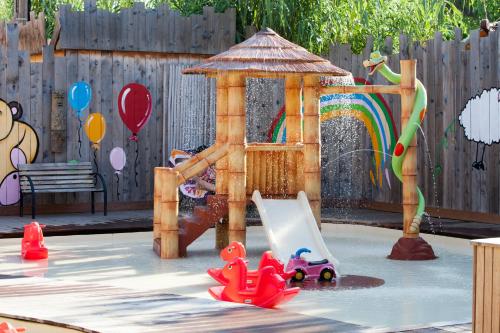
pixel 327 274
pixel 299 276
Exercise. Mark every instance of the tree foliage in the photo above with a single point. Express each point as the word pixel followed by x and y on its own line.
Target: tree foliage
pixel 315 24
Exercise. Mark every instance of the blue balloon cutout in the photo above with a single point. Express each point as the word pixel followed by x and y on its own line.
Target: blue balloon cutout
pixel 79 96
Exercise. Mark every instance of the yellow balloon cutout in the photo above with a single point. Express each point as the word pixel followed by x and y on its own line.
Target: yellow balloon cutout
pixel 95 128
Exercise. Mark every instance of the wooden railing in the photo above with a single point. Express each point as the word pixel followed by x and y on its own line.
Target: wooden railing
pixel 274 169
pixel 166 198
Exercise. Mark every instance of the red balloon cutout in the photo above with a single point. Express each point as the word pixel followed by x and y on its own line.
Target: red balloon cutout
pixel 134 106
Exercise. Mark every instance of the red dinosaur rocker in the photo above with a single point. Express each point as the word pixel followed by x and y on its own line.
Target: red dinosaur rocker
pixel 269 291
pixel 33 247
pixel 237 250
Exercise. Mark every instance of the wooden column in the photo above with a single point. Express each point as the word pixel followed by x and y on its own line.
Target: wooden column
pixel 169 214
pixel 236 158
pixel 157 203
pixel 312 145
pixel 221 229
pixel 409 172
pixel 293 128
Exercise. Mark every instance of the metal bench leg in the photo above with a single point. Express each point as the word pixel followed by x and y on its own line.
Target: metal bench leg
pixel 92 202
pixel 33 205
pixel 105 202
pixel 21 205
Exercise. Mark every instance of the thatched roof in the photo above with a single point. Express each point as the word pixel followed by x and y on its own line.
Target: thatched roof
pixel 266 52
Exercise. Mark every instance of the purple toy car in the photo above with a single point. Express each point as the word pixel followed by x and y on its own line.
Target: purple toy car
pixel 322 270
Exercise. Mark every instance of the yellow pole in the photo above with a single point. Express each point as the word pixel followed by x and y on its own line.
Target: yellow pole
pixel 312 145
pixel 236 158
pixel 409 172
pixel 169 214
pixel 293 116
pixel 221 229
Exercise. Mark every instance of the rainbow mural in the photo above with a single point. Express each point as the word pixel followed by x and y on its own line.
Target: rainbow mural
pixel 371 109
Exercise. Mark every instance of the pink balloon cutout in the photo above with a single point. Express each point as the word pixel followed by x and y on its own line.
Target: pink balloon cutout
pixel 118 159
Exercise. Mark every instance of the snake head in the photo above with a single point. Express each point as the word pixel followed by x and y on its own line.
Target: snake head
pixel 376 60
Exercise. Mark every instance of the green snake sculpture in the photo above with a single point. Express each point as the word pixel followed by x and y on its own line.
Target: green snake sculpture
pixel 377 63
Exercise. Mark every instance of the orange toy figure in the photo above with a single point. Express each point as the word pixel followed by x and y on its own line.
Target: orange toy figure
pixel 33 247
pixel 237 250
pixel 270 289
pixel 6 327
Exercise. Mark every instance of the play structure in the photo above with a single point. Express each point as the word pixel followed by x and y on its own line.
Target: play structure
pixel 281 170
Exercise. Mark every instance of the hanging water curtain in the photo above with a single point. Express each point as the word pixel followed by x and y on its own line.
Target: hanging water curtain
pixel 134 106
pixel 79 96
pixel 95 128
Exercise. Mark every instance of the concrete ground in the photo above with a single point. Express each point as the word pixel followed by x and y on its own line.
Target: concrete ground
pixel 115 283
pixel 141 220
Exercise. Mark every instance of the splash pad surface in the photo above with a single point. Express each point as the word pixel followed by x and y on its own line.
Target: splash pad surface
pixel 109 282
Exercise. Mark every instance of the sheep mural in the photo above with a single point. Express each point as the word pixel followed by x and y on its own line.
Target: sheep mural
pixel 480 119
pixel 18 145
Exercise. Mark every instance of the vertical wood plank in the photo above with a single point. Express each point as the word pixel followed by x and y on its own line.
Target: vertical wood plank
pixel 117 128
pixel 488 289
pixel 12 62
pixel 495 308
pixel 475 88
pixel 479 289
pixel 106 109
pixel 60 87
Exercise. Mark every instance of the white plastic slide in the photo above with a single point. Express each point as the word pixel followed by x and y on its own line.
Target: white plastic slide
pixel 289 226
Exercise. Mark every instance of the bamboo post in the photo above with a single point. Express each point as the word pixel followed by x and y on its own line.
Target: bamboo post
pixel 293 116
pixel 409 172
pixel 221 229
pixel 169 214
pixel 312 145
pixel 157 203
pixel 236 157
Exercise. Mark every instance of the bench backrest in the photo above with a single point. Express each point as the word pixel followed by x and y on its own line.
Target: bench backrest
pixel 56 176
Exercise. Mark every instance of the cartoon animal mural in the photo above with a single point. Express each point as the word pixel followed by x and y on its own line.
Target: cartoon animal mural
pixel 371 109
pixel 480 119
pixel 18 145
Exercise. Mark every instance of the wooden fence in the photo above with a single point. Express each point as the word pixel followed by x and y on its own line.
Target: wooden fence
pixel 183 106
pixel 453 72
pixel 125 47
pixel 152 30
pixel 31 34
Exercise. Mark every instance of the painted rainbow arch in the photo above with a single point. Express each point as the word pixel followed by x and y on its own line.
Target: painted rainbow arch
pixel 371 109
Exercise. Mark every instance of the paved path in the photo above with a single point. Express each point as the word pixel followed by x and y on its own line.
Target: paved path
pixel 141 220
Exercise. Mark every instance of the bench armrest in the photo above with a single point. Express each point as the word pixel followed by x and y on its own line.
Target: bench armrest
pixel 29 181
pixel 101 178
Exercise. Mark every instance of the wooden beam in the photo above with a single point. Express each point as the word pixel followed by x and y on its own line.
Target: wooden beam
pixel 257 146
pixel 236 138
pixel 312 145
pixel 169 226
pixel 368 89
pixel 410 197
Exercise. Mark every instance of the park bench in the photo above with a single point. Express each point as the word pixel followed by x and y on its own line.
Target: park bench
pixel 59 178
